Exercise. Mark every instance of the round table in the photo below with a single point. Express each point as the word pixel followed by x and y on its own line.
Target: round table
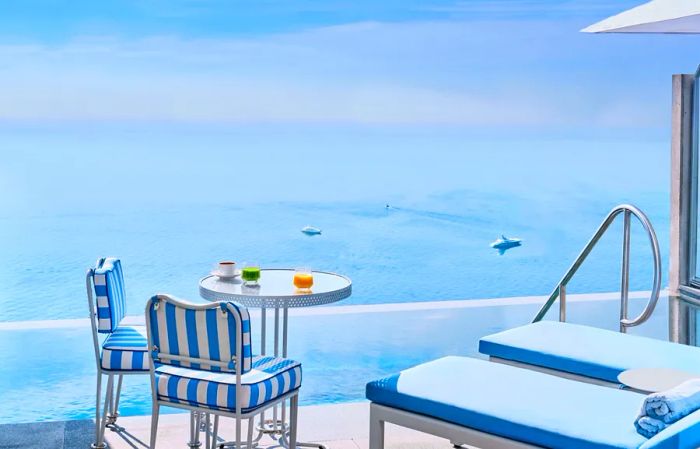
pixel 653 380
pixel 276 291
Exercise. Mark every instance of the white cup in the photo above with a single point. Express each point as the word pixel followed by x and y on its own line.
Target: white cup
pixel 227 268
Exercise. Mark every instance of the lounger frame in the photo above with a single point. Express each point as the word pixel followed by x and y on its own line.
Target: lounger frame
pixel 458 435
pixel 553 372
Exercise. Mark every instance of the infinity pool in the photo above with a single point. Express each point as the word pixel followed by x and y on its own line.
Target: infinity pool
pixel 47 370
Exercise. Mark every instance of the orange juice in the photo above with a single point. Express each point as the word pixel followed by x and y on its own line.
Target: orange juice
pixel 303 280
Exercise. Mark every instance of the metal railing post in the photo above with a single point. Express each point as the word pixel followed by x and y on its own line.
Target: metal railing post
pixel 625 281
pixel 560 291
pixel 562 303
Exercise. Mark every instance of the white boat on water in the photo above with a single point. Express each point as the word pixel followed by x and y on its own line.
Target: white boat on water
pixel 504 244
pixel 310 230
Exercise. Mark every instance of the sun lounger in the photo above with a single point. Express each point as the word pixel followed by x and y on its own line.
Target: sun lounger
pixel 496 406
pixel 585 353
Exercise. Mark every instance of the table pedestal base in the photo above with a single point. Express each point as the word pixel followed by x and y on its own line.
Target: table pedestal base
pixel 276 430
pixel 272 427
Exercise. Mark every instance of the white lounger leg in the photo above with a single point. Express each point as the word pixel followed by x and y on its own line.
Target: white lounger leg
pixel 378 414
pixel 376 430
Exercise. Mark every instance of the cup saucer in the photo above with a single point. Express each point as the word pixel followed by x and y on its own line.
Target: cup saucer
pixel 221 275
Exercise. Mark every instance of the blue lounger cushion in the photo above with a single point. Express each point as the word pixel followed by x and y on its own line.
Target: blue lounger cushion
pixel 587 351
pixel 527 406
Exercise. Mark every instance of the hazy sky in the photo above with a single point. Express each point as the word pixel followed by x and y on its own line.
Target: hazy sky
pixel 155 94
pixel 466 63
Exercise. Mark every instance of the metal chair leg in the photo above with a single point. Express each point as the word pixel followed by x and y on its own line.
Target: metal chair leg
pixel 215 433
pixel 195 418
pixel 207 434
pixel 238 432
pixel 251 425
pixel 98 403
pixel 100 444
pixel 293 414
pixel 114 403
pixel 191 443
pixel 155 413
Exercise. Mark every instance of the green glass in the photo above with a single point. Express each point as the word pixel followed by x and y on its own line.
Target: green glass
pixel 250 274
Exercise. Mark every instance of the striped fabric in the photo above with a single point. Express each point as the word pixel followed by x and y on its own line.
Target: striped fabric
pixel 109 290
pixel 268 379
pixel 204 333
pixel 126 349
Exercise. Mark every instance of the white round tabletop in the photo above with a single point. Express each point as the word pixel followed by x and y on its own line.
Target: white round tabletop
pixel 653 380
pixel 276 289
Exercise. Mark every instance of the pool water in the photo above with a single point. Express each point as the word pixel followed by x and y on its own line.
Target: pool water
pixel 49 374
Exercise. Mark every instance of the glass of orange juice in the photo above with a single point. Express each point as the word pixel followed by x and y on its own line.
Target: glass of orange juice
pixel 303 279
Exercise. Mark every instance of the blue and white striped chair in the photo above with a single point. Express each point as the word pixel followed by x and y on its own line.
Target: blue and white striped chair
pixel 202 362
pixel 124 350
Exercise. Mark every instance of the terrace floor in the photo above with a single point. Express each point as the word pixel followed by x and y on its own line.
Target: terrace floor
pixel 337 426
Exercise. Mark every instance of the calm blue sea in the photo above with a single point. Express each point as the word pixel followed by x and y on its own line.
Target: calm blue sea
pixel 172 201
pixel 435 250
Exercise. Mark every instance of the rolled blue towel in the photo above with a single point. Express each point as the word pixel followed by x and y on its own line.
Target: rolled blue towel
pixel 648 427
pixel 671 405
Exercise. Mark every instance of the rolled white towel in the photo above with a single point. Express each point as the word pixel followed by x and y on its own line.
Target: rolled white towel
pixel 671 405
pixel 648 427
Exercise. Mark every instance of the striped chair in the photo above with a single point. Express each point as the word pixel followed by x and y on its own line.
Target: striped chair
pixel 202 362
pixel 123 351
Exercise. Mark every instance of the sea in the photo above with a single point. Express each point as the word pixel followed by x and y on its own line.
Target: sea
pixel 407 214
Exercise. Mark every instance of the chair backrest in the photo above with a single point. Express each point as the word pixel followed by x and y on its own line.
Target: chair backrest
pixel 211 337
pixel 110 297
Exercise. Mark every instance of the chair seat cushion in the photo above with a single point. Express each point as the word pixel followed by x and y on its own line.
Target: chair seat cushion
pixel 126 350
pixel 268 379
pixel 515 403
pixel 587 351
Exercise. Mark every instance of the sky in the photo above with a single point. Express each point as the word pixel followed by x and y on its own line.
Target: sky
pixel 465 63
pixel 149 89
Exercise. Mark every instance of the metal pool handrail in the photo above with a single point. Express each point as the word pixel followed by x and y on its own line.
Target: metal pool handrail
pixel 560 291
